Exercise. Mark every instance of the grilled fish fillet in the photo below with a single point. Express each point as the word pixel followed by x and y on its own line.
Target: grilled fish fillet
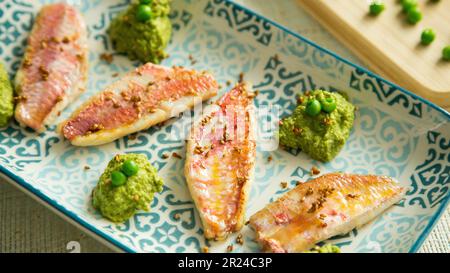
pixel 144 97
pixel 54 69
pixel 329 205
pixel 220 162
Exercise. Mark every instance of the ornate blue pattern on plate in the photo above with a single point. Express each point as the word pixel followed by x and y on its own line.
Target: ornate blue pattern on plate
pixel 395 133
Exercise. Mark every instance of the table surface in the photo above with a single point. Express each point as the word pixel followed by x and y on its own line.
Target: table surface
pixel 27 226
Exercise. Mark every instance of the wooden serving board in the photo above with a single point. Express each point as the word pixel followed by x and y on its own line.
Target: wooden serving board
pixel 391 46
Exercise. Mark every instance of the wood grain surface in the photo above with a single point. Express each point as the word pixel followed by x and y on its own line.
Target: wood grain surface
pixel 391 46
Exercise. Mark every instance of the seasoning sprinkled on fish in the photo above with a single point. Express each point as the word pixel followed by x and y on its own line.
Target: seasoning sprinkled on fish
pixel 147 96
pixel 220 162
pixel 54 68
pixel 321 208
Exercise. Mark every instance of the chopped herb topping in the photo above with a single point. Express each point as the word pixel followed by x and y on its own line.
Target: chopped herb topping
pixel 230 248
pixel 176 155
pixel 241 77
pixel 26 62
pixel 117 158
pixel 352 196
pixel 323 194
pixel 240 239
pixel 191 58
pixel 241 180
pixel 107 57
pixel 297 131
pixel 44 73
pixel 205 120
pixel 95 128
pixel 315 170
pixel 20 98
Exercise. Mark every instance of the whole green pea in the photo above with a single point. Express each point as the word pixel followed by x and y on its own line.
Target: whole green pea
pixel 428 36
pixel 414 15
pixel 313 107
pixel 118 178
pixel 408 4
pixel 376 8
pixel 328 104
pixel 143 13
pixel 446 53
pixel 129 167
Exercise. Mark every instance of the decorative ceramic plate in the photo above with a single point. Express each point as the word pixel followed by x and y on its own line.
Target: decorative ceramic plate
pixel 396 133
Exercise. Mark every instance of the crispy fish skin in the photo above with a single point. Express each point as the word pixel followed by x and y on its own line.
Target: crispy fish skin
pixel 220 161
pixel 54 68
pixel 321 208
pixel 144 97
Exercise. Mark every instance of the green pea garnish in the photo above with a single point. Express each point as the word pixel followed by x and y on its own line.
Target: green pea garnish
pixel 118 178
pixel 129 167
pixel 376 8
pixel 408 4
pixel 446 53
pixel 313 107
pixel 143 13
pixel 328 105
pixel 427 36
pixel 414 15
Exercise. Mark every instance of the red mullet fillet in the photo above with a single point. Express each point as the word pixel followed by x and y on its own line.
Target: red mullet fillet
pixel 329 205
pixel 149 95
pixel 220 162
pixel 53 70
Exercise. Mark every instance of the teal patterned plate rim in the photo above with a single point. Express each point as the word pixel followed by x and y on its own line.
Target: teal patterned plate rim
pixel 260 29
